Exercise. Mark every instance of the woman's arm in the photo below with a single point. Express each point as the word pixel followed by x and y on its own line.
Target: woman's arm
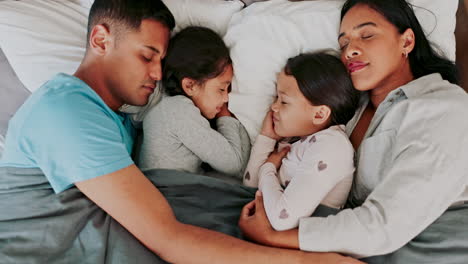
pixel 423 179
pixel 255 225
pixel 130 198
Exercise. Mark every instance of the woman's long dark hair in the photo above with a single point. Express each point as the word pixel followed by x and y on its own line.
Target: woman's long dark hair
pixel 423 59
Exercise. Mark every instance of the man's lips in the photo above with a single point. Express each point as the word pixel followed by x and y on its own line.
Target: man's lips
pixel 356 66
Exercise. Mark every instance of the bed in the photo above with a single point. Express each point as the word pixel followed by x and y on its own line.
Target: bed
pixel 40 38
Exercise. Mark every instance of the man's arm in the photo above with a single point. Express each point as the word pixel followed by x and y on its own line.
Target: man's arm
pixel 130 198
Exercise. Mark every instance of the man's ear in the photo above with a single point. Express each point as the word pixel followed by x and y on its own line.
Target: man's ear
pixel 99 39
pixel 189 86
pixel 321 114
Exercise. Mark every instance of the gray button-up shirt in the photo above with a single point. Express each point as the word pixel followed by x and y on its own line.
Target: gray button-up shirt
pixel 411 167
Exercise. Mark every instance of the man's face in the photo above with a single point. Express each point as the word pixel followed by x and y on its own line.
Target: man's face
pixel 133 65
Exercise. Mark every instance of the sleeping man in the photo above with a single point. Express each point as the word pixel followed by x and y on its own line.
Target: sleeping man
pixel 69 190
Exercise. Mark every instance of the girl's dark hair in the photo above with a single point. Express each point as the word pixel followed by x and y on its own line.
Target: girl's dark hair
pixel 423 59
pixel 119 15
pixel 195 52
pixel 324 80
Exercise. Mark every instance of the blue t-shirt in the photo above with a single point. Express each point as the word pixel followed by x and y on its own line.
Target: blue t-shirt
pixel 66 130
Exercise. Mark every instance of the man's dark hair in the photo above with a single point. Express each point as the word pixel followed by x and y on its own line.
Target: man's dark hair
pixel 324 80
pixel 121 15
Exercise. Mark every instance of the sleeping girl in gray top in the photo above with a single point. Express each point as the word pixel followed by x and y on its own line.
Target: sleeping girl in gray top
pixel 177 132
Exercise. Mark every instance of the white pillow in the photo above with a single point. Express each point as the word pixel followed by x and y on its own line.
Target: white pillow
pixel 214 14
pixel 263 36
pixel 42 38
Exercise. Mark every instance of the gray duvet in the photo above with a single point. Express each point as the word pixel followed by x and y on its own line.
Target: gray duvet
pixel 38 226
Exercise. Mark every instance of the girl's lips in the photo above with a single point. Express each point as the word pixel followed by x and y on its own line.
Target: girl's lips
pixel 356 66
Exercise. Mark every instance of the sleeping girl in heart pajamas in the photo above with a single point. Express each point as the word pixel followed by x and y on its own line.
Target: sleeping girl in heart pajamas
pixel 312 174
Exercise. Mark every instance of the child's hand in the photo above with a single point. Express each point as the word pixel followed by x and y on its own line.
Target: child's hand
pixel 224 111
pixel 276 157
pixel 268 128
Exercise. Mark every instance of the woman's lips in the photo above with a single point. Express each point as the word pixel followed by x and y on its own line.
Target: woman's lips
pixel 150 87
pixel 356 66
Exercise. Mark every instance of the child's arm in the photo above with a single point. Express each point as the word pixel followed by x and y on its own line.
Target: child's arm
pixel 261 149
pixel 324 165
pixel 226 151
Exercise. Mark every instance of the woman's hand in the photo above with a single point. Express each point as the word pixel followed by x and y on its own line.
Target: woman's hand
pixel 276 157
pixel 255 225
pixel 254 222
pixel 268 127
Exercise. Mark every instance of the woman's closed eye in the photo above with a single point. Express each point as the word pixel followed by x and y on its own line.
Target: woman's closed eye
pixel 146 58
pixel 344 44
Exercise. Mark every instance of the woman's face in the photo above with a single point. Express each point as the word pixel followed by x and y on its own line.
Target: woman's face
pixel 213 93
pixel 292 112
pixel 372 49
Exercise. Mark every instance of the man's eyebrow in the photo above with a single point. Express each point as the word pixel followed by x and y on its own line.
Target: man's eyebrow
pixel 358 27
pixel 153 49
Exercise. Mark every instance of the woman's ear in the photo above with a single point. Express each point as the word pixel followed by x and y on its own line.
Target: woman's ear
pixel 321 115
pixel 408 41
pixel 189 86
